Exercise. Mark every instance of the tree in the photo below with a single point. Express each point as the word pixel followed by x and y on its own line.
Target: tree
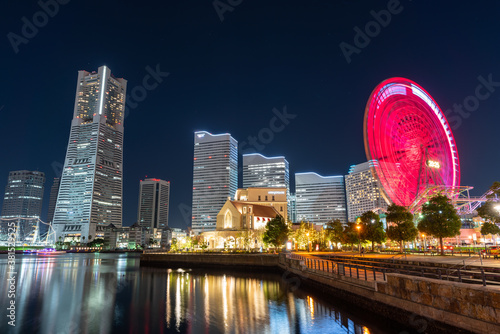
pixel 489 212
pixel 495 190
pixel 400 225
pixel 245 238
pixel 97 242
pixel 350 235
pixel 334 231
pixel 490 228
pixel 173 245
pixel 304 234
pixel 276 232
pixel 372 228
pixel 440 219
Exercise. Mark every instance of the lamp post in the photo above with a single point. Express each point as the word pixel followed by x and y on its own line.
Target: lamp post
pixel 308 246
pixel 423 238
pixel 358 227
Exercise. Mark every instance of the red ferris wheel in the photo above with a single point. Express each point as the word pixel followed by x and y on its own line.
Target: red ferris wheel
pixel 410 141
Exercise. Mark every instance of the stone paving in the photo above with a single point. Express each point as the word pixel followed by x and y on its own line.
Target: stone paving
pixel 448 259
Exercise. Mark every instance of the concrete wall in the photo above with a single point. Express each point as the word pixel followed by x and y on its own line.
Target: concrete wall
pixel 473 307
pixel 207 259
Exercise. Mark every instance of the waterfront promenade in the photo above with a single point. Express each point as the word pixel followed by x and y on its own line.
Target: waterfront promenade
pixel 447 259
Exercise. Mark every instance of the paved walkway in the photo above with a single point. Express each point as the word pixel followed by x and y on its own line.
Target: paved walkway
pixel 448 259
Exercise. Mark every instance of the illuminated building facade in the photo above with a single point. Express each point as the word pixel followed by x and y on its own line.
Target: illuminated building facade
pixel 240 222
pixel 215 177
pixel 23 199
pixel 261 171
pixel 264 172
pixel 153 209
pixel 90 194
pixel 275 197
pixel 363 190
pixel 319 199
pixel 23 194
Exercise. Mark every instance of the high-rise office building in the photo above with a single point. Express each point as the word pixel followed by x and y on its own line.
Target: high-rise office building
pixel 320 199
pixel 215 177
pixel 267 172
pixel 90 193
pixel 23 194
pixel 23 199
pixel 154 195
pixel 363 190
pixel 292 208
pixel 54 190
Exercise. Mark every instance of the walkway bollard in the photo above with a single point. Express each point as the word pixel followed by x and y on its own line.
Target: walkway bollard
pixel 366 277
pixel 459 275
pixel 383 272
pixel 357 272
pixel 484 278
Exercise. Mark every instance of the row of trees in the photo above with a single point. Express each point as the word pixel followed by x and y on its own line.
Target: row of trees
pixel 438 219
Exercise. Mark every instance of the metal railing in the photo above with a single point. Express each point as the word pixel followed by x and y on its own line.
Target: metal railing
pixel 366 269
pixel 361 272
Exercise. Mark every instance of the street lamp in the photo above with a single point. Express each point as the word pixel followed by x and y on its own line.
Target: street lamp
pixel 359 238
pixel 308 246
pixel 423 238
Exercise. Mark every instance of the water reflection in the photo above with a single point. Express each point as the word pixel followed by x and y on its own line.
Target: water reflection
pixel 107 293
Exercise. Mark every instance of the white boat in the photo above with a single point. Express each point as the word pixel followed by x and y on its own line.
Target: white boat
pixel 49 251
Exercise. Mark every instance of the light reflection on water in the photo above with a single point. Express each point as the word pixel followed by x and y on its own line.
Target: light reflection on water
pixel 110 293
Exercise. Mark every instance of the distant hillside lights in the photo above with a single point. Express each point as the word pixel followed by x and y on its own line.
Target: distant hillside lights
pixel 29 29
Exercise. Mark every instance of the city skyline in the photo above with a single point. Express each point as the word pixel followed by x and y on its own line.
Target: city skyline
pixel 280 85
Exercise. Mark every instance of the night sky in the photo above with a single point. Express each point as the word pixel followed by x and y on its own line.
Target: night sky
pixel 228 75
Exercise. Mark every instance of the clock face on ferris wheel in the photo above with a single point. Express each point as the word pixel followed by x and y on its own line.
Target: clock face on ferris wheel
pixel 410 141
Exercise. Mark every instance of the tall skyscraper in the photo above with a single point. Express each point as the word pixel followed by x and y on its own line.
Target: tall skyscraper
pixel 90 193
pixel 23 199
pixel 54 190
pixel 261 171
pixel 215 177
pixel 154 197
pixel 363 190
pixel 23 194
pixel 320 199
